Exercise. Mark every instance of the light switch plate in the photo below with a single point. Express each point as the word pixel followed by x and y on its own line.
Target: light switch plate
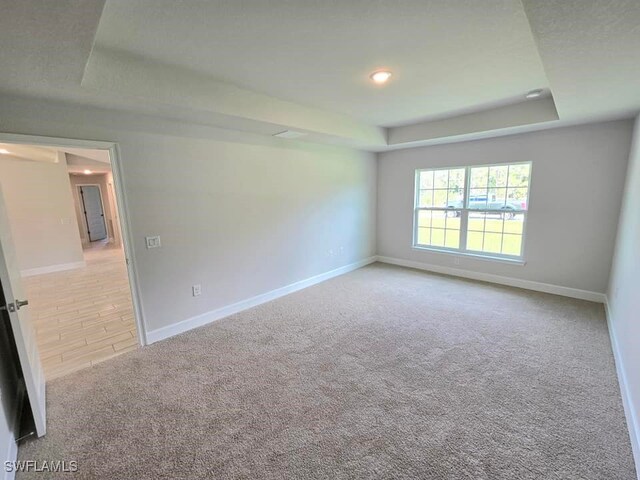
pixel 197 290
pixel 153 242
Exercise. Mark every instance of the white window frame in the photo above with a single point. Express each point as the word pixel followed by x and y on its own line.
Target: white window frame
pixel 464 215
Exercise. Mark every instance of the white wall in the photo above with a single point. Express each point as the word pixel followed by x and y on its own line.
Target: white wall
pixel 40 208
pixel 113 205
pixel 576 188
pixel 241 219
pixel 239 214
pixel 624 296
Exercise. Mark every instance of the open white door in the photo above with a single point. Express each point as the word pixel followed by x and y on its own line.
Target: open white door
pixel 23 330
pixel 93 212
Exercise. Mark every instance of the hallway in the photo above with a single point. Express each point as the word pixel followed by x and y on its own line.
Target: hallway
pixel 83 316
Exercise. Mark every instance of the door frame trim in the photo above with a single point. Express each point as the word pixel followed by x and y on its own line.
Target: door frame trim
pixel 86 220
pixel 122 207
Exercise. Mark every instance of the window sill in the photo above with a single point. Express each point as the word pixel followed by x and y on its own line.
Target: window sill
pixel 510 261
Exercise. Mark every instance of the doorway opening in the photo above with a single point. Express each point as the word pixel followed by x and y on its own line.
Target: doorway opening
pixel 63 211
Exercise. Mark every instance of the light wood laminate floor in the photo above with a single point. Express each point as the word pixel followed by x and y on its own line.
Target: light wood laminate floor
pixel 83 316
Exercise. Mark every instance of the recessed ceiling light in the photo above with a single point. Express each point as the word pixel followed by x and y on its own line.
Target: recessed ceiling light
pixel 534 93
pixel 4 151
pixel 88 172
pixel 381 76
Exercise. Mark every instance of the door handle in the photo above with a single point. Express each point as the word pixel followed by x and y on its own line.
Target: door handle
pixel 21 303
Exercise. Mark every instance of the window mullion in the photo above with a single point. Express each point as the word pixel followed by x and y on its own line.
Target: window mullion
pixel 463 230
pixel 464 218
pixel 416 206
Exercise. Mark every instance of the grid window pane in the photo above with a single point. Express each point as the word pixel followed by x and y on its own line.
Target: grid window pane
pixel 490 232
pixel 493 225
pixel 476 221
pixel 441 188
pixel 479 177
pixel 439 219
pixel 455 198
pixel 491 201
pixel 452 239
pixel 492 242
pixel 517 197
pixel 426 198
pixel 441 179
pixel 453 220
pixel 474 241
pixel 497 198
pixel 426 179
pixel 477 198
pixel 438 228
pixel 440 198
pixel 424 218
pixel 456 179
pixel 437 237
pixel 519 175
pixel 514 225
pixel 424 236
pixel 432 232
pixel 498 176
pixel 512 244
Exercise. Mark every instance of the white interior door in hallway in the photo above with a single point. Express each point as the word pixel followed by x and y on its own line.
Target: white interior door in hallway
pixel 93 212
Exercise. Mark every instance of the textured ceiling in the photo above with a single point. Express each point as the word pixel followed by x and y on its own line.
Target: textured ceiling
pixel 591 54
pixel 445 56
pixel 45 45
pixel 460 66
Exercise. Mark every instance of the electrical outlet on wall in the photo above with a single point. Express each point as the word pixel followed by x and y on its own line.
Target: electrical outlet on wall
pixel 456 260
pixel 196 290
pixel 153 242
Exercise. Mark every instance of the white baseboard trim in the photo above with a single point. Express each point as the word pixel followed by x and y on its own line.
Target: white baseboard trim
pixel 200 320
pixel 30 272
pixel 509 281
pixel 632 418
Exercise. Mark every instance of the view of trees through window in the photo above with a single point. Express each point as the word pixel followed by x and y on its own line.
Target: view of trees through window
pixel 479 209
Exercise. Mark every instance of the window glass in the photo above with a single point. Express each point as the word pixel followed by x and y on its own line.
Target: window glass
pixel 479 209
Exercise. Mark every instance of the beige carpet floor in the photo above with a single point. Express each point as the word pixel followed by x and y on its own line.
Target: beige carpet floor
pixel 381 373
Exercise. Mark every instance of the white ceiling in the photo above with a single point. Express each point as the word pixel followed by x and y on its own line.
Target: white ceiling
pixel 45 45
pixel 591 54
pixel 78 159
pixel 460 66
pixel 101 156
pixel 445 55
pixel 29 152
